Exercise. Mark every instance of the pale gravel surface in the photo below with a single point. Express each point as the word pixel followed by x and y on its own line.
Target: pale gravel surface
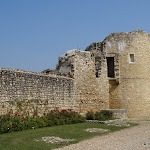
pixel 132 138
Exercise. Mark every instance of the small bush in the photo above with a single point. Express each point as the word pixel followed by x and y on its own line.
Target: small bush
pixel 90 115
pixel 108 115
pixel 101 116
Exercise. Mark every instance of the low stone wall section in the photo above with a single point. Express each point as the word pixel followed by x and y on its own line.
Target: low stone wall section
pixel 27 92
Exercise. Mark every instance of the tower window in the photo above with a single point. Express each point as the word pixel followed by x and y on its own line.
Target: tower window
pixel 110 67
pixel 131 58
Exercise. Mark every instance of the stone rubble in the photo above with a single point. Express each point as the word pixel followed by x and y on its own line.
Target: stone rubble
pixel 119 125
pixel 107 121
pixel 97 130
pixel 54 139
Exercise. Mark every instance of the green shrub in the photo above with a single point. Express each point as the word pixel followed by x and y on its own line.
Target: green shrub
pixel 15 122
pixel 99 116
pixel 5 127
pixel 90 115
pixel 108 115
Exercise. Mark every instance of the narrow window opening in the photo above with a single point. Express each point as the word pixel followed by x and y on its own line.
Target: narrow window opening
pixel 110 67
pixel 97 75
pixel 131 58
pixel 97 66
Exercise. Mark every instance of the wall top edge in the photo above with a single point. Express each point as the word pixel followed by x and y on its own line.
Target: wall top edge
pixel 33 73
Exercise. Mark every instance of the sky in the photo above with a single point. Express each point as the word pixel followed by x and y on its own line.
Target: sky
pixel 34 33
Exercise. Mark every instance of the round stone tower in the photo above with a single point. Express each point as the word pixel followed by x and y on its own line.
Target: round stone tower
pixel 128 57
pixel 132 92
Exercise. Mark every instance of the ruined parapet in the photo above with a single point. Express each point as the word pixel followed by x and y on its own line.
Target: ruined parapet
pixel 104 59
pixel 80 89
pixel 91 92
pixel 50 71
pixel 99 57
pixel 65 66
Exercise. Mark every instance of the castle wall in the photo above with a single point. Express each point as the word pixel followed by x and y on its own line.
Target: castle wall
pixel 83 83
pixel 27 93
pixel 91 92
pixel 76 87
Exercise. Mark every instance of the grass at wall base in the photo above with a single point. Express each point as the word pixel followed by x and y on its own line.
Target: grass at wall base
pixel 60 123
pixel 26 140
pixel 15 122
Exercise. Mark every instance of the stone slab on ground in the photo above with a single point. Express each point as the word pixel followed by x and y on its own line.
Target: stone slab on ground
pixel 97 130
pixel 107 121
pixel 54 139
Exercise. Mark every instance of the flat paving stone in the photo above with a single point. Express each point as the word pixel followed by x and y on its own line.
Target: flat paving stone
pixel 96 130
pixel 54 139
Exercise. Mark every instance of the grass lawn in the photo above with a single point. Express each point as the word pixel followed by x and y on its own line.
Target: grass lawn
pixel 26 140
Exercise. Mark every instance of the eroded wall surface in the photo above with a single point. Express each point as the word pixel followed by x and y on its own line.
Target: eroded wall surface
pixel 74 87
pixel 91 92
pixel 27 93
pixel 81 81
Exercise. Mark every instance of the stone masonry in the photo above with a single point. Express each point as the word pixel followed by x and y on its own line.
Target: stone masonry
pixel 128 57
pixel 112 74
pixel 28 93
pixel 91 92
pixel 72 85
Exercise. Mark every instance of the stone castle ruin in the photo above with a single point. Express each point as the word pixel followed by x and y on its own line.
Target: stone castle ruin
pixel 112 74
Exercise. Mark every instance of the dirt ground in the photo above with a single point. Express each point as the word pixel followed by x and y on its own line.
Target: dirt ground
pixel 134 138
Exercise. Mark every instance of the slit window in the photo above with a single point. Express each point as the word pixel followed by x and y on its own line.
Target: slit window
pixel 131 58
pixel 97 66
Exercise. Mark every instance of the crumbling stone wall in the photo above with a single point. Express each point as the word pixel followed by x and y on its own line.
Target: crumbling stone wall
pixel 81 80
pixel 50 71
pixel 91 92
pixel 100 54
pixel 27 92
pixel 74 87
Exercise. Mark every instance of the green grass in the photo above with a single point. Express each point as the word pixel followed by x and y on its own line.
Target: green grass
pixel 26 140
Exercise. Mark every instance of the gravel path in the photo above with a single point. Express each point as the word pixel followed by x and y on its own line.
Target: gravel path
pixel 135 138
